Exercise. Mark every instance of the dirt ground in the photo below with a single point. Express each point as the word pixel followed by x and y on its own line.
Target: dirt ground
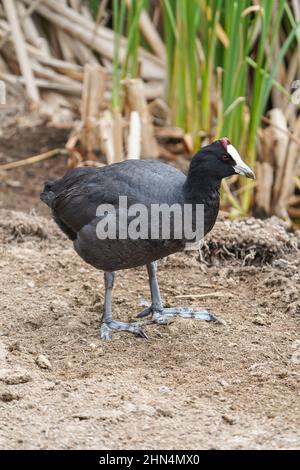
pixel 191 385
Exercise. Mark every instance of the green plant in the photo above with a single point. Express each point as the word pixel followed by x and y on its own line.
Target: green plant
pixel 233 55
pixel 223 60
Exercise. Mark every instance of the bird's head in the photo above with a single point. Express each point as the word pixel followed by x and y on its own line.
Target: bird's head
pixel 220 159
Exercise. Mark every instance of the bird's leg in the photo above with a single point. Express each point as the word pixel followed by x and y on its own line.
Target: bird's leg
pixel 156 302
pixel 108 324
pixel 161 314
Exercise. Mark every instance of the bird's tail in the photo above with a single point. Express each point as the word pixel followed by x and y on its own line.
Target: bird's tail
pixel 47 195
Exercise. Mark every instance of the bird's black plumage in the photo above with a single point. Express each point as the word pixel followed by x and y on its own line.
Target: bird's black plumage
pixel 74 200
pixel 75 197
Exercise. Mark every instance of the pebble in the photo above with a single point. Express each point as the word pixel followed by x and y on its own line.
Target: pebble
pixel 12 377
pixel 6 397
pixel 229 419
pixel 30 284
pixel 164 389
pixel 49 386
pixel 223 383
pixel 43 362
pixel 260 321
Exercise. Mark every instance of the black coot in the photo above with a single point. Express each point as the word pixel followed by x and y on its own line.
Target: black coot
pixel 75 200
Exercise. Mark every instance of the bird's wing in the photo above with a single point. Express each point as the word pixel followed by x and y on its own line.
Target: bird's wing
pixel 80 192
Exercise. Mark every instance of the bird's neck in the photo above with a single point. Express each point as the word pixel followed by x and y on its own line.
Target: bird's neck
pixel 201 189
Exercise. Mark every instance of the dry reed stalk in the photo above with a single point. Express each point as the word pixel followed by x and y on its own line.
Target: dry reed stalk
pixel 49 74
pixel 83 53
pixel 74 157
pixel 29 11
pixel 291 75
pixel 285 131
pixel 73 49
pixel 287 186
pixel 150 34
pixel 30 30
pixel 296 7
pixel 65 88
pixel 71 70
pixel 34 159
pixel 118 135
pixel 265 170
pixel 204 296
pixel 274 142
pixel 3 66
pixel 277 96
pixel 281 141
pixel 102 42
pixel 134 137
pixel 92 100
pixel 136 99
pixel 106 125
pixel 21 51
pixel 66 46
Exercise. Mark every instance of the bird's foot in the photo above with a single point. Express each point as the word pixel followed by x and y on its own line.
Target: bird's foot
pixel 163 315
pixel 108 327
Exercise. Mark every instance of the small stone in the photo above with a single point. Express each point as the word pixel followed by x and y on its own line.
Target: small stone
pixel 11 377
pixel 49 386
pixel 43 362
pixel 165 412
pixel 6 397
pixel 164 389
pixel 81 417
pixel 223 383
pixel 275 295
pixel 87 286
pixel 14 347
pixel 259 321
pixel 13 183
pixel 229 419
pixel 30 284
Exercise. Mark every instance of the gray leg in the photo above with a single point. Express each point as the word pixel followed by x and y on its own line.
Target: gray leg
pixel 108 324
pixel 161 314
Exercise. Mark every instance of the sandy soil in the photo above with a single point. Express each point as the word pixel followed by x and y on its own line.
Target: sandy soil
pixel 190 385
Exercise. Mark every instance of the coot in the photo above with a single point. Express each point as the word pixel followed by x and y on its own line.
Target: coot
pixel 87 200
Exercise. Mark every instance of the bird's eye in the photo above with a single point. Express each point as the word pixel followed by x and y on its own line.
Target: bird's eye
pixel 225 157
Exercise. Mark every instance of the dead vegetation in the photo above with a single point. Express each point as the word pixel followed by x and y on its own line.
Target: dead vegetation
pixel 65 59
pixel 250 242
